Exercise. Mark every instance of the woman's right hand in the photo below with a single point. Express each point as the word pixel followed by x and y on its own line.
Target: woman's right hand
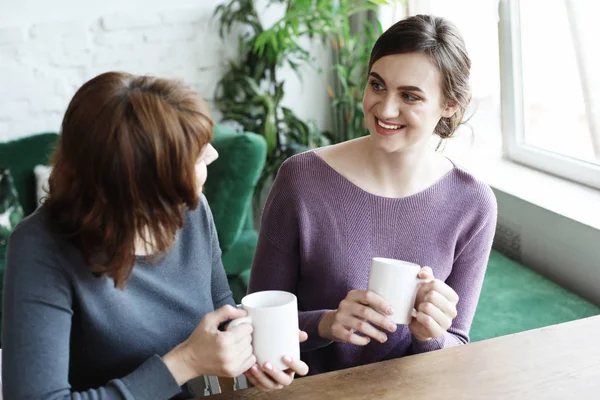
pixel 209 351
pixel 358 312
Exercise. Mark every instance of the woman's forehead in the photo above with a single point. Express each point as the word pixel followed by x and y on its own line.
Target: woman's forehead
pixel 408 69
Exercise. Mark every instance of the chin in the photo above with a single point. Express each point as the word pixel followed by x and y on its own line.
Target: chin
pixel 390 144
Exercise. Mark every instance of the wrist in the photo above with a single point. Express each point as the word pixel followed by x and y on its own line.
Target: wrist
pixel 178 363
pixel 421 338
pixel 324 327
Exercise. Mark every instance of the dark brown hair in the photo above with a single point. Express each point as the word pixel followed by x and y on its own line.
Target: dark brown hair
pixel 124 167
pixel 439 39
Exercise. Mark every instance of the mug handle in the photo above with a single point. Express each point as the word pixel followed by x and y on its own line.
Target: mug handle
pixel 413 313
pixel 239 321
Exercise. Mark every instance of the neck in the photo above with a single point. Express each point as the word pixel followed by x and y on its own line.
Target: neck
pixel 403 173
pixel 142 248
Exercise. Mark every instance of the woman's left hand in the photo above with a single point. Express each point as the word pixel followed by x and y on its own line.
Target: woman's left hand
pixel 435 305
pixel 268 378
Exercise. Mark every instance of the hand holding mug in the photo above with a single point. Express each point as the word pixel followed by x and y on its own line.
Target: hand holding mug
pixel 274 317
pixel 269 378
pixel 358 312
pixel 436 307
pixel 209 351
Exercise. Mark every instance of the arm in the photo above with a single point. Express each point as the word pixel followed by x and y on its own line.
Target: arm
pixel 37 313
pixel 276 264
pixel 466 279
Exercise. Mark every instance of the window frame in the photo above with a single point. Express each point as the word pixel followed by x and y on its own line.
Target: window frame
pixel 515 147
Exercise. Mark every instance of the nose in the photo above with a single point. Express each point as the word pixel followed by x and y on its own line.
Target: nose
pixel 390 108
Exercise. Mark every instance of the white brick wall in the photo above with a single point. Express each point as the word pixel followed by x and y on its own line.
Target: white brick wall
pixel 46 56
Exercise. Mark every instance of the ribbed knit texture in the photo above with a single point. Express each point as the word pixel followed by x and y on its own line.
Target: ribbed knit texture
pixel 319 233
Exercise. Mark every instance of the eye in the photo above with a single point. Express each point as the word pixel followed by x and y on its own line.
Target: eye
pixel 376 86
pixel 410 97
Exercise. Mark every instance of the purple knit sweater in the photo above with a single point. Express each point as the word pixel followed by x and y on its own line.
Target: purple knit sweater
pixel 320 231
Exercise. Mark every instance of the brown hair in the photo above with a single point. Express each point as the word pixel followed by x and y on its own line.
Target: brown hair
pixel 442 42
pixel 124 167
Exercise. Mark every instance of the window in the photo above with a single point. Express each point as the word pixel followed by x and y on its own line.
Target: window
pixel 550 86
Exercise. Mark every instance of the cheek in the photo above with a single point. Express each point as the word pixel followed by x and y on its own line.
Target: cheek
pixel 367 101
pixel 201 173
pixel 417 114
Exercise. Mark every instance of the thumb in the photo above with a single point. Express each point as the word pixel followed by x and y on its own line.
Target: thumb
pixel 426 273
pixel 224 314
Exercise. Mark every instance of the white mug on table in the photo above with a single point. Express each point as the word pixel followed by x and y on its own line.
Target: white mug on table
pixel 396 281
pixel 273 315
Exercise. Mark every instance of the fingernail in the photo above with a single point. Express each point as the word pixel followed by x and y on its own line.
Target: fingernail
pixel 254 368
pixel 383 339
pixel 392 327
pixel 268 367
pixel 287 359
pixel 390 310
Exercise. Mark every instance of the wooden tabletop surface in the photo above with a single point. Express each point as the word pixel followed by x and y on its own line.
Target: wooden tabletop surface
pixel 556 362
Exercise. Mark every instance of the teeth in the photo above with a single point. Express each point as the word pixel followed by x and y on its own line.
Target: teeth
pixel 386 126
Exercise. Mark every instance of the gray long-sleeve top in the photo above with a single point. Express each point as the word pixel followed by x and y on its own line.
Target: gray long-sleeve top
pixel 67 334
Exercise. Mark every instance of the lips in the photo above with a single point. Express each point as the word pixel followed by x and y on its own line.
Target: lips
pixel 387 129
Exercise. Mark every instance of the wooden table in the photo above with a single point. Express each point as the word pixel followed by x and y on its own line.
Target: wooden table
pixel 556 362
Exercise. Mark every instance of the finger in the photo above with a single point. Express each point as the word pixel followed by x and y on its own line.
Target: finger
pixel 366 313
pixel 430 325
pixel 240 333
pixel 426 273
pixel 278 376
pixel 371 299
pixel 303 336
pixel 440 301
pixel 250 375
pixel 348 336
pixel 251 379
pixel 241 351
pixel 263 380
pixel 225 313
pixel 249 361
pixel 298 366
pixel 363 327
pixel 445 290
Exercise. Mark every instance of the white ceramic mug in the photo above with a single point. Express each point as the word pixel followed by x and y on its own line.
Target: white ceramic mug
pixel 273 315
pixel 396 281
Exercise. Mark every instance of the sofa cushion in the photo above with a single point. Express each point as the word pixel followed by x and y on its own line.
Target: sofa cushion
pixel 241 160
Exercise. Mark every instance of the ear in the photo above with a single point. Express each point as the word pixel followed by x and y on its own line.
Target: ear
pixel 450 108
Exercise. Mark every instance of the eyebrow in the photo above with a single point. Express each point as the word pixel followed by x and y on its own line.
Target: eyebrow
pixel 409 88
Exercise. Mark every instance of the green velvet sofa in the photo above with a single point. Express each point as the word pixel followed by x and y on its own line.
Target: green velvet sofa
pixel 229 190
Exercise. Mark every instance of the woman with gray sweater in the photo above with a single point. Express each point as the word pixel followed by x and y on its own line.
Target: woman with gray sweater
pixel 114 287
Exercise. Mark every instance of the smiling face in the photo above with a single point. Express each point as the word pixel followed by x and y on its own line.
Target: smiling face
pixel 403 101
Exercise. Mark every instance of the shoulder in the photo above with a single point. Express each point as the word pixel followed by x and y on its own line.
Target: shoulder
pixel 200 218
pixel 33 246
pixel 320 166
pixel 469 189
pixel 300 165
pixel 34 232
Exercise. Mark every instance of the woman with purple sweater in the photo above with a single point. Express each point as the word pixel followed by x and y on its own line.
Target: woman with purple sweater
pixel 389 194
